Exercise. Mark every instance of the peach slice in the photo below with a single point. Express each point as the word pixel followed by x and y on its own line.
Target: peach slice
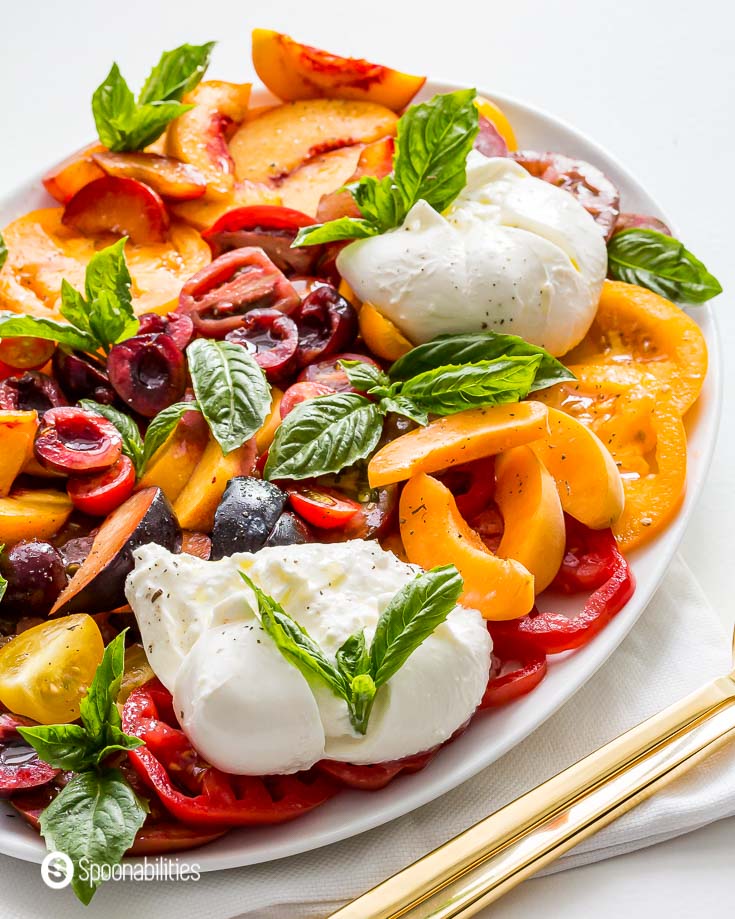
pixel 304 188
pixel 198 500
pixel 173 464
pixel 198 136
pixel 17 431
pixel 457 439
pixel 295 71
pixel 32 514
pixel 42 251
pixel 434 533
pixel 163 174
pixel 376 159
pixel 204 212
pixel 273 145
pixel 125 207
pixel 264 437
pixel 587 479
pixel 533 520
pixel 64 180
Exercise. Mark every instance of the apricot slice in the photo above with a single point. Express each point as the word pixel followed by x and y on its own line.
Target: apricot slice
pixel 164 174
pixel 587 479
pixel 304 188
pixel 434 533
pixel 533 521
pixel 198 136
pixel 121 206
pixel 277 142
pixel 173 464
pixel 32 514
pixel 42 251
pixel 17 430
pixel 459 438
pixel 65 179
pixel 294 71
pixel 198 500
pixel 383 337
pixel 634 326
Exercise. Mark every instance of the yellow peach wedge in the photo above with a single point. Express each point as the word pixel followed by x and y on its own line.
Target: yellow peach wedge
pixel 32 514
pixel 382 336
pixel 17 430
pixel 173 464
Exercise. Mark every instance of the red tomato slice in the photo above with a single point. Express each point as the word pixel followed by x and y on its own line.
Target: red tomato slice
pixel 376 775
pixel 323 507
pixel 268 216
pixel 506 684
pixel 329 373
pixel 472 484
pixel 98 495
pixel 301 392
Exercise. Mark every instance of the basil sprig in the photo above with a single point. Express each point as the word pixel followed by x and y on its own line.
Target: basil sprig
pixel 95 817
pixel 124 124
pixel 359 672
pixel 327 434
pixel 432 143
pixel 662 264
pixel 95 320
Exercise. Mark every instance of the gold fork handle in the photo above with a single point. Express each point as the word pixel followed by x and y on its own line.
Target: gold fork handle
pixel 486 861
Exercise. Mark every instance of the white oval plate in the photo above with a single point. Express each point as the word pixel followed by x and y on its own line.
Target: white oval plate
pixel 492 734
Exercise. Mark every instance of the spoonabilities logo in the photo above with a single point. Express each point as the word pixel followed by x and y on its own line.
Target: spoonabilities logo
pixel 57 870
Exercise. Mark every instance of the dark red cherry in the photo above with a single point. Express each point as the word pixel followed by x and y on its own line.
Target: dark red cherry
pixel 178 325
pixel 32 391
pixel 82 376
pixel 148 372
pixel 275 337
pixel 73 440
pixel 327 324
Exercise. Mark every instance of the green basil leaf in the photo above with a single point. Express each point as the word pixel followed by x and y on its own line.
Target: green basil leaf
pixel 472 347
pixel 177 72
pixel 380 201
pixel 335 230
pixel 324 435
pixel 401 405
pixel 63 746
pixel 231 390
pixel 113 107
pixel 98 708
pixel 109 302
pixel 161 428
pixel 14 326
pixel 3 251
pixel 294 642
pixel 132 442
pixel 662 264
pixel 410 617
pixel 362 696
pixel 115 742
pixel 364 376
pixel 3 582
pixel 74 307
pixel 93 820
pixel 452 389
pixel 352 657
pixel 432 143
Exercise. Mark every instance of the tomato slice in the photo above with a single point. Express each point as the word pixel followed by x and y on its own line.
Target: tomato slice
pixel 99 495
pixel 323 507
pixel 20 766
pixel 198 794
pixel 267 216
pixel 518 667
pixel 329 373
pixel 376 775
pixel 472 484
pixel 301 392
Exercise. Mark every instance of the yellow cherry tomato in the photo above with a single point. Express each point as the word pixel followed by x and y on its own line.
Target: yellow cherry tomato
pixel 137 672
pixel 493 113
pixel 45 671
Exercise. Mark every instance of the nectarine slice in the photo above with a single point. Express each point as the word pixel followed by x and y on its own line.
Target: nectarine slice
pixel 587 479
pixel 294 71
pixel 65 179
pixel 125 207
pixel 32 514
pixel 434 533
pixel 533 521
pixel 376 159
pixel 17 431
pixel 457 439
pixel 304 188
pixel 165 175
pixel 203 212
pixel 285 137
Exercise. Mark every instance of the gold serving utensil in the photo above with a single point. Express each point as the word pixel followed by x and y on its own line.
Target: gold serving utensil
pixel 477 867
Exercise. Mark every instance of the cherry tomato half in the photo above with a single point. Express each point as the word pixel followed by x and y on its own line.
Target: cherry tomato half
pixel 98 495
pixel 301 392
pixel 26 353
pixel 323 507
pixel 329 372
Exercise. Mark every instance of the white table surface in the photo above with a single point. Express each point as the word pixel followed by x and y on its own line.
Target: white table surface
pixel 651 80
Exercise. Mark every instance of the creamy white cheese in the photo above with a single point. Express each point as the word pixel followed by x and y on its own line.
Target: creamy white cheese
pixel 248 710
pixel 512 253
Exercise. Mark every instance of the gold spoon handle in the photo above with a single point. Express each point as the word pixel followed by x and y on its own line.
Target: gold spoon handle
pixel 486 861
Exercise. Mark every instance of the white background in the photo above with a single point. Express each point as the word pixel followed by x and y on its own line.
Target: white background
pixel 654 82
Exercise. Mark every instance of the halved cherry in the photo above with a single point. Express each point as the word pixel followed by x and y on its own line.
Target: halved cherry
pixel 165 175
pixel 148 372
pixel 275 337
pixel 72 440
pixel 123 206
pixel 26 353
pixel 32 391
pixel 178 326
pixel 219 295
pixel 270 227
pixel 82 376
pixel 330 374
pixel 98 495
pixel 327 324
pixel 301 392
pixel 322 507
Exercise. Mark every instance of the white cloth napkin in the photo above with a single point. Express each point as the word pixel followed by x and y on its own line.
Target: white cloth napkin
pixel 678 644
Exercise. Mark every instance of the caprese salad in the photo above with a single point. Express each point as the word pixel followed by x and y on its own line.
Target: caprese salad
pixel 304 406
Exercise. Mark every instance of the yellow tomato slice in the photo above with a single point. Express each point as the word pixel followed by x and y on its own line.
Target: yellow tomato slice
pixel 45 671
pixel 497 116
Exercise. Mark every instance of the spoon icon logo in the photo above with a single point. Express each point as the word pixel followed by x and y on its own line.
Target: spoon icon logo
pixel 57 870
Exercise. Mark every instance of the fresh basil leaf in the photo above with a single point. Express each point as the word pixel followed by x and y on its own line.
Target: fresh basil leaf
pixel 294 642
pixel 334 231
pixel 116 741
pixel 362 696
pixel 151 121
pixel 380 201
pixel 132 442
pixel 432 143
pixel 3 581
pixel 113 107
pixel 177 72
pixel 472 347
pixel 324 435
pixel 14 326
pixel 109 302
pixel 410 617
pixel 231 390
pixel 662 264
pixel 63 746
pixel 3 251
pixel 364 376
pixel 352 657
pixel 162 426
pixel 401 405
pixel 93 820
pixel 98 708
pixel 74 307
pixel 452 389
